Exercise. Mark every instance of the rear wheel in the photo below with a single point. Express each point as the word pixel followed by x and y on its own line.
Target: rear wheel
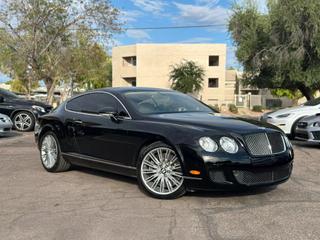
pixel 160 172
pixel 24 121
pixel 50 154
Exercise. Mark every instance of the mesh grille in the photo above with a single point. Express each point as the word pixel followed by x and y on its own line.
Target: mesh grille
pixel 217 176
pixel 253 178
pixel 316 135
pixel 262 144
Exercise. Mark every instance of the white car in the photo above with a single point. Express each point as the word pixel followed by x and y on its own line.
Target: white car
pixel 5 124
pixel 288 118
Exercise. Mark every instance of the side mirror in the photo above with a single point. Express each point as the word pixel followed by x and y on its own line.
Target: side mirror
pixel 110 112
pixel 1 99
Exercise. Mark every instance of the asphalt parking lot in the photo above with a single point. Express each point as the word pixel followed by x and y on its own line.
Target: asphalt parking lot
pixel 88 204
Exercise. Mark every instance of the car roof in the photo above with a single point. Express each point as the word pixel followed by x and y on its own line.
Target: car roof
pixel 122 90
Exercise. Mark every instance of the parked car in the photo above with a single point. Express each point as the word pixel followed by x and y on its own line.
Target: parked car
pixel 170 141
pixel 288 118
pixel 308 129
pixel 22 112
pixel 5 124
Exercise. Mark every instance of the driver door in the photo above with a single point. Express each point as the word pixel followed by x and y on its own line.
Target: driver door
pixel 99 135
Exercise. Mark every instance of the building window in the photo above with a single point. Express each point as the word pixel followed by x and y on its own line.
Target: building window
pixel 131 81
pixel 213 61
pixel 130 61
pixel 213 83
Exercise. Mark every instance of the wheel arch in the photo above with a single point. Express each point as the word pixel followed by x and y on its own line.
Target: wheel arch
pixel 49 126
pixel 158 138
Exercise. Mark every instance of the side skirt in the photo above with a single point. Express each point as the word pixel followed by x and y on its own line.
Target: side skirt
pixel 100 164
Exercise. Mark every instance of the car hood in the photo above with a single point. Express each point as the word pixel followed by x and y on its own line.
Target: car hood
pixel 291 110
pixel 215 122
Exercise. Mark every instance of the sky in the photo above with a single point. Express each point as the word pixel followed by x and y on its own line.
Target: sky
pixel 161 13
pixel 164 13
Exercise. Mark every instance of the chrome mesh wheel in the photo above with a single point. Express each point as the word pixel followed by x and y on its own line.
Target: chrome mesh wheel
pixel 161 171
pixel 49 151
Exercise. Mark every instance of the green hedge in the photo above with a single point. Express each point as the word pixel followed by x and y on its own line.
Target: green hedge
pixel 257 108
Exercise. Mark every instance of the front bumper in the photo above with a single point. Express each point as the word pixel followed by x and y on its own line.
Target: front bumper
pixel 233 178
pixel 308 134
pixel 240 171
pixel 5 127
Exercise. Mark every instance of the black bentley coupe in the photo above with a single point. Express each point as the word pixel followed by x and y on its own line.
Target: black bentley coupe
pixel 170 141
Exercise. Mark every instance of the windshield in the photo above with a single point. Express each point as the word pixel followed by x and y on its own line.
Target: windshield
pixel 156 102
pixel 313 102
pixel 7 94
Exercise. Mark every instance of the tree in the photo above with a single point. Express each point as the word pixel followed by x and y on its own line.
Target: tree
pixel 86 62
pixel 38 31
pixel 187 77
pixel 279 49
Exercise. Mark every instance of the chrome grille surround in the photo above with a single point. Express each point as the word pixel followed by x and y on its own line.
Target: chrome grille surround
pixel 264 144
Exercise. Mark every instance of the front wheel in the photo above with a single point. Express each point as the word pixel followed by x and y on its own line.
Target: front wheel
pixel 50 154
pixel 160 172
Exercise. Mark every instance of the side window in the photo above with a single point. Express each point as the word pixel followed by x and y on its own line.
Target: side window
pixel 93 103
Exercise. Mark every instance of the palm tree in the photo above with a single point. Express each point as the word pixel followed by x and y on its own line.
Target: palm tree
pixel 187 77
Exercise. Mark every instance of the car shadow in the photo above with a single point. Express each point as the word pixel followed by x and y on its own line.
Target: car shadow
pixel 10 134
pixel 305 144
pixel 233 193
pixel 109 175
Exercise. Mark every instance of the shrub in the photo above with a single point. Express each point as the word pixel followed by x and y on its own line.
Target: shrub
pixel 233 108
pixel 257 108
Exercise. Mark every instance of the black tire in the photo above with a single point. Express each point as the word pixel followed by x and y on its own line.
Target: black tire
pixel 60 165
pixel 177 193
pixel 19 127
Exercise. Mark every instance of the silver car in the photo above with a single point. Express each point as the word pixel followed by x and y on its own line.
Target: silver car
pixel 308 129
pixel 5 124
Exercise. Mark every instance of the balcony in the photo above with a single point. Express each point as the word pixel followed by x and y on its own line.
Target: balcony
pixel 128 69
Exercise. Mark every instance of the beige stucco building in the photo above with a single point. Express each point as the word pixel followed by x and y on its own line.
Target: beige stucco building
pixel 149 65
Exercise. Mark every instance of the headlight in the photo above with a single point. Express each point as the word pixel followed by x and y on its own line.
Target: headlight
pixel 229 145
pixel 208 144
pixel 284 115
pixel 38 108
pixel 7 119
pixel 316 124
